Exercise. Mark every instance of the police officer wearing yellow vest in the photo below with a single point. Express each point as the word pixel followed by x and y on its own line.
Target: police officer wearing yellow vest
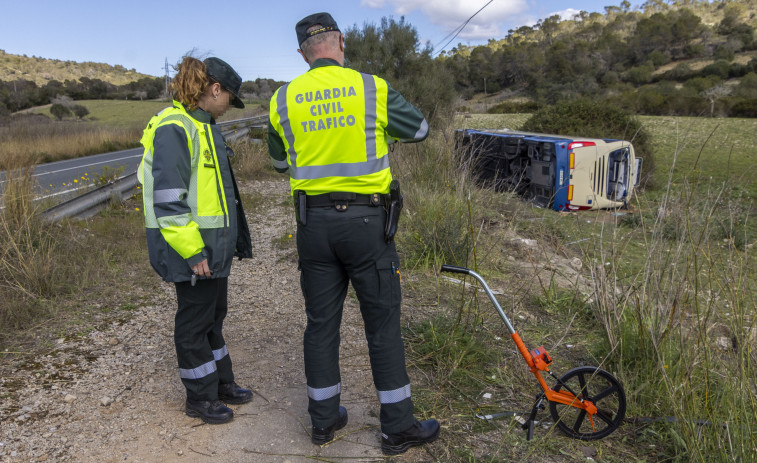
pixel 330 129
pixel 195 226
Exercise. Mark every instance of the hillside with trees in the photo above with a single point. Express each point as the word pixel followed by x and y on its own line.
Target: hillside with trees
pixel 682 57
pixel 27 82
pixel 42 70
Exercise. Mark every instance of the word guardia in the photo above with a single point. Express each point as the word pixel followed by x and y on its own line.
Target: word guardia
pixel 324 107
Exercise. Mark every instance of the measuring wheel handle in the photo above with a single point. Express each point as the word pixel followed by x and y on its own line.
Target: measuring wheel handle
pixel 453 269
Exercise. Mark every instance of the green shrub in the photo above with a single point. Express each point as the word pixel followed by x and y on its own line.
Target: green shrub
pixel 80 111
pixel 59 111
pixel 681 72
pixel 450 351
pixel 251 160
pixel 694 50
pixel 744 108
pixel 658 58
pixel 640 74
pixel 720 68
pixel 434 230
pixel 514 107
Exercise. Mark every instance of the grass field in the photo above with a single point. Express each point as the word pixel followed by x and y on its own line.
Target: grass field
pixel 110 125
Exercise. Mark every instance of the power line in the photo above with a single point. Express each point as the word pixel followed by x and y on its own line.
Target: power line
pixel 459 29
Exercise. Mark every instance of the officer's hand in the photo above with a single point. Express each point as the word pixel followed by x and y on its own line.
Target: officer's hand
pixel 202 269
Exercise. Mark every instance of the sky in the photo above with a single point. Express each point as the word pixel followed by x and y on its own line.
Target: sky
pixel 256 37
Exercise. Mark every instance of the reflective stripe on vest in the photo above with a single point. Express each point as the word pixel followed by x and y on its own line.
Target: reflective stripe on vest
pixel 374 162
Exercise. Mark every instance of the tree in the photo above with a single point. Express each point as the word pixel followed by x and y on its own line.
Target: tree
pixel 686 27
pixel 652 33
pixel 549 28
pixel 59 111
pixel 482 70
pixel 393 51
pixel 715 93
pixel 63 100
pixel 80 111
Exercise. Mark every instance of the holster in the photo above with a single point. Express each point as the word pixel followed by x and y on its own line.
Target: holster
pixel 301 207
pixel 393 209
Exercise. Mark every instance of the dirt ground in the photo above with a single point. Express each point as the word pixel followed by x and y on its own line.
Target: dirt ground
pixel 113 394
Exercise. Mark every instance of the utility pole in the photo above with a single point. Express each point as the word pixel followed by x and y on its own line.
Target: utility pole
pixel 486 106
pixel 166 77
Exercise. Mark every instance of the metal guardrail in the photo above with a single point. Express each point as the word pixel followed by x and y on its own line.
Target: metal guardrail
pixel 246 122
pixel 91 202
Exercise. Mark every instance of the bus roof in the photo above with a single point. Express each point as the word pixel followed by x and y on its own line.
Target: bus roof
pixel 535 136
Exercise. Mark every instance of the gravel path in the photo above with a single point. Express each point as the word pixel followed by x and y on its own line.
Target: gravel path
pixel 114 394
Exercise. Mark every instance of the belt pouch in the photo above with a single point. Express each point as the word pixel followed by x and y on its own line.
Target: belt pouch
pixel 301 207
pixel 394 207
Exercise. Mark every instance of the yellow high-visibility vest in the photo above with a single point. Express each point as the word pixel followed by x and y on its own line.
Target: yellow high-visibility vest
pixel 205 194
pixel 332 121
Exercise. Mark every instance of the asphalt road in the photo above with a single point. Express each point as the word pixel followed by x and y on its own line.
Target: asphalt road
pixel 72 176
pixel 58 178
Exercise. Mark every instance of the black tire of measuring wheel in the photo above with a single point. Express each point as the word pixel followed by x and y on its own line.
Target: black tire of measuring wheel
pixel 570 419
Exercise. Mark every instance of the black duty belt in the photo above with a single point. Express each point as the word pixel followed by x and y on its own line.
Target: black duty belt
pixel 341 200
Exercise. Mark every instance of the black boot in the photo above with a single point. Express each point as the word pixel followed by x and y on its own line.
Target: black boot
pixel 422 432
pixel 231 393
pixel 321 436
pixel 209 411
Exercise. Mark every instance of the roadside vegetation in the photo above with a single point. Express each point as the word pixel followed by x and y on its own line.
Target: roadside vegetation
pixel 51 273
pixel 664 302
pixel 37 139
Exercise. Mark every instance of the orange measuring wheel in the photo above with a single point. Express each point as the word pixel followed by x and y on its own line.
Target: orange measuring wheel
pixel 587 403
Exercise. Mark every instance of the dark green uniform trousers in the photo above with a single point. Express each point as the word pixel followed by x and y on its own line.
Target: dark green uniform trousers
pixel 200 348
pixel 336 248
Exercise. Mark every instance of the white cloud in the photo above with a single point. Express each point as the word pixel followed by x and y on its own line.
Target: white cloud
pixel 372 3
pixel 566 15
pixel 451 14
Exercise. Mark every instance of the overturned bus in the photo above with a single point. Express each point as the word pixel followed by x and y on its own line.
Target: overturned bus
pixel 561 172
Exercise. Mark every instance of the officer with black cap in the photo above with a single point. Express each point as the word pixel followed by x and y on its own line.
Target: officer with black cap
pixel 330 129
pixel 195 227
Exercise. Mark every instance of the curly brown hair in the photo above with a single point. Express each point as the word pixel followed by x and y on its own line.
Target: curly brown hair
pixel 190 82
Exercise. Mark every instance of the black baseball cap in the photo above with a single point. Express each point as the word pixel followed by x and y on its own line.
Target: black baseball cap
pixel 324 20
pixel 220 71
